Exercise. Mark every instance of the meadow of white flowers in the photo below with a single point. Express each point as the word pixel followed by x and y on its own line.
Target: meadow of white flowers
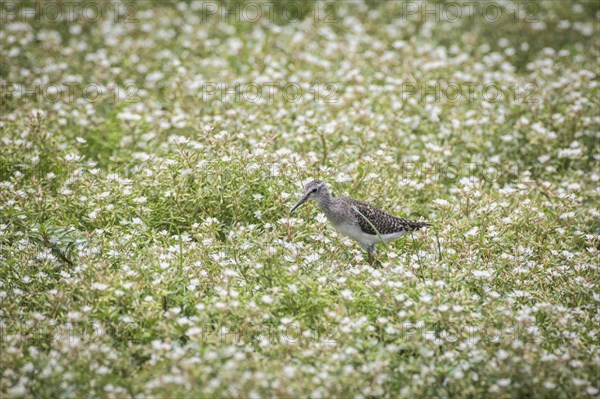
pixel 150 153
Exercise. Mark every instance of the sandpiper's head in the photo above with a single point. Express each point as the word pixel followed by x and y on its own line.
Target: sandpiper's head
pixel 315 190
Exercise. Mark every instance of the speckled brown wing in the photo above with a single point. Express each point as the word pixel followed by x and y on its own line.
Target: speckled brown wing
pixel 385 223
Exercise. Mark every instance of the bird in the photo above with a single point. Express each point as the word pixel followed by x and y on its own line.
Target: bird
pixel 358 220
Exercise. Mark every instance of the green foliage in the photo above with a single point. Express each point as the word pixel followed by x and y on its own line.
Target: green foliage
pixel 146 245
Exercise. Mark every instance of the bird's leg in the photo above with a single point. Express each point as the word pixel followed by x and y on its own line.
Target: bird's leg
pixel 372 260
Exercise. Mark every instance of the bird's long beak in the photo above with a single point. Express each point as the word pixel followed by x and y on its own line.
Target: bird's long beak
pixel 302 201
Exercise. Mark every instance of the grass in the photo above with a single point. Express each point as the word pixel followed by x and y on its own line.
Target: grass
pixel 146 245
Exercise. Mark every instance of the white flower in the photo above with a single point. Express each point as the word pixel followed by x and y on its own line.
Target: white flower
pixel 128 116
pixel 442 203
pixel 543 158
pixel 312 258
pixel 154 76
pixel 570 152
pixel 18 390
pixel 578 381
pixel 472 232
pixel 72 157
pixel 271 251
pixel 504 382
pixel 426 298
pixel 99 286
pixel 321 218
pixel 481 273
pixel 592 390
pixel 347 295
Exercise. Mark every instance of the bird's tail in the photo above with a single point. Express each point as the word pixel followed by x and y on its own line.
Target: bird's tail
pixel 414 225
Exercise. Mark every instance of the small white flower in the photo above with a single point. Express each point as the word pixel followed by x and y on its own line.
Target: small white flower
pixel 99 286
pixel 321 218
pixel 472 232
pixel 502 354
pixel 347 295
pixel 425 298
pixel 271 251
pixel 442 203
pixel 18 390
pixel 504 382
pixel 578 381
pixel 481 273
pixel 592 390
pixel 543 158
pixel 312 258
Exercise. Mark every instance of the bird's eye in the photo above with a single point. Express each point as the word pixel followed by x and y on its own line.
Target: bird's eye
pixel 314 190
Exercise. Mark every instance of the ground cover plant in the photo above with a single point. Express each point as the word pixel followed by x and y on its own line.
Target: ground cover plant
pixel 151 151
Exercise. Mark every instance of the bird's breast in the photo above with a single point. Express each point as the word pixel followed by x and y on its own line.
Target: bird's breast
pixel 350 230
pixel 346 229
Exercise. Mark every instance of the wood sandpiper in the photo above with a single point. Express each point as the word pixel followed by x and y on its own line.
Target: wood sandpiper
pixel 355 219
